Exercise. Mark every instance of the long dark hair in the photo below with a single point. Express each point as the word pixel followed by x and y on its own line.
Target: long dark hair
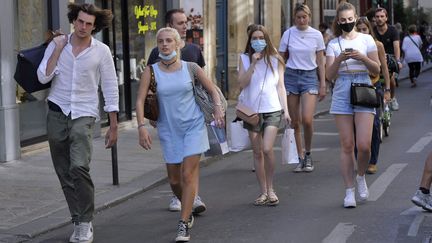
pixel 103 17
pixel 268 51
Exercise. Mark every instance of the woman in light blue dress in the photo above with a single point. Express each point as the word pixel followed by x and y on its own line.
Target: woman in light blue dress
pixel 181 127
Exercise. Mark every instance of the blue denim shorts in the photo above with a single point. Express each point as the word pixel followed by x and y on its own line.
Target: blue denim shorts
pixel 341 99
pixel 301 81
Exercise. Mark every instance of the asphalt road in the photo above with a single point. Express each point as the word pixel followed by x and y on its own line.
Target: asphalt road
pixel 310 208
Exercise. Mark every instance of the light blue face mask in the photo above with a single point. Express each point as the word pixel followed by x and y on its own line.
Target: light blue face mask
pixel 168 57
pixel 258 45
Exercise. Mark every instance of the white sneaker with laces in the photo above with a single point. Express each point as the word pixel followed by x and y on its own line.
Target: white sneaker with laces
pixel 349 200
pixel 394 104
pixel 175 204
pixel 362 188
pixel 74 237
pixel 85 232
pixel 422 200
pixel 198 205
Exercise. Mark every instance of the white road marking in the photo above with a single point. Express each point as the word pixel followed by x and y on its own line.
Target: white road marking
pixel 340 233
pixel 421 144
pixel 412 211
pixel 383 181
pixel 323 119
pixel 279 149
pixel 326 133
pixel 415 225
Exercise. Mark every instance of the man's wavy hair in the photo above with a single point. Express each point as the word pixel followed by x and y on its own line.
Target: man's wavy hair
pixel 103 16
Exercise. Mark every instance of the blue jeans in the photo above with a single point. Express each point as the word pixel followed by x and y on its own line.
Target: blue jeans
pixel 299 81
pixel 376 131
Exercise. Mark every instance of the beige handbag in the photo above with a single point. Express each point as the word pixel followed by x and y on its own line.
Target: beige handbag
pixel 247 114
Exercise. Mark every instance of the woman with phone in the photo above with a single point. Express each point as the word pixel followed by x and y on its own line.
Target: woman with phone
pixel 351 57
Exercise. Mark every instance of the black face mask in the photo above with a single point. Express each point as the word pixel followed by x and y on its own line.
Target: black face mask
pixel 347 27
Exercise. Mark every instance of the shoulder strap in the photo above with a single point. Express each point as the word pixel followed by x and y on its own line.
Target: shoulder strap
pixel 413 41
pixel 340 46
pixel 153 84
pixel 191 69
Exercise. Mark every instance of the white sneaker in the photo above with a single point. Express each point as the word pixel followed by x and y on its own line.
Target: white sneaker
pixel 394 104
pixel 362 188
pixel 175 204
pixel 74 237
pixel 349 200
pixel 422 200
pixel 85 232
pixel 198 205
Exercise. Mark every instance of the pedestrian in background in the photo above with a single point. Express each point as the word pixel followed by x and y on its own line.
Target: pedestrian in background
pixel 304 79
pixel 76 64
pixel 176 18
pixel 411 47
pixel 363 26
pixel 261 79
pixel 389 36
pixel 351 57
pixel 181 126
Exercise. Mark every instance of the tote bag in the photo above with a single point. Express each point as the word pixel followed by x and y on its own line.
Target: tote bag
pixel 289 147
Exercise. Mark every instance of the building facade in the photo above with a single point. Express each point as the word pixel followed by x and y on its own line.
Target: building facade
pixel 218 26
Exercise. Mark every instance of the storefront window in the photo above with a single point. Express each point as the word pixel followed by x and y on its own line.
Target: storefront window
pixel 144 19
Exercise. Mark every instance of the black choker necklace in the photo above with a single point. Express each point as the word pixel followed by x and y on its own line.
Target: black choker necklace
pixel 167 65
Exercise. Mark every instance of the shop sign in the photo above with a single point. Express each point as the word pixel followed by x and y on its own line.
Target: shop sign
pixel 146 16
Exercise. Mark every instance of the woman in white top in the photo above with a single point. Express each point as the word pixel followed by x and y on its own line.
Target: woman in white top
pixel 411 46
pixel 351 57
pixel 261 79
pixel 304 79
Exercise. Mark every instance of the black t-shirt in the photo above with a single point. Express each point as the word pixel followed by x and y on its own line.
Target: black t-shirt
pixel 189 53
pixel 392 34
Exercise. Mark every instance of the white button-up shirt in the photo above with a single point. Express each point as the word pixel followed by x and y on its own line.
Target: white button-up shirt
pixel 75 80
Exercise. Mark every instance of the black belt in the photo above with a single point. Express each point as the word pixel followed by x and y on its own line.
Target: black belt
pixel 54 107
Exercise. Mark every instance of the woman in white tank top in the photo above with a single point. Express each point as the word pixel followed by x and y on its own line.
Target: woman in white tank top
pixel 261 78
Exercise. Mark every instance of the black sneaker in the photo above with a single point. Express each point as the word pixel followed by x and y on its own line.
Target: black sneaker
pixel 308 164
pixel 182 232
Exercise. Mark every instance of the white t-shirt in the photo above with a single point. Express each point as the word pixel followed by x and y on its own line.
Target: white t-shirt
pixel 262 75
pixel 363 43
pixel 303 46
pixel 411 51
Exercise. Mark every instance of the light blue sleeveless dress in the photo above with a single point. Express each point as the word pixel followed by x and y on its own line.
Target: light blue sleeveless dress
pixel 181 128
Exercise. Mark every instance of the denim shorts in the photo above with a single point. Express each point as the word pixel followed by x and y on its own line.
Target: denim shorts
pixel 265 120
pixel 341 99
pixel 301 81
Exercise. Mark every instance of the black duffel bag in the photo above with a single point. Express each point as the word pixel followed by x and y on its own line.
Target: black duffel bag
pixel 26 69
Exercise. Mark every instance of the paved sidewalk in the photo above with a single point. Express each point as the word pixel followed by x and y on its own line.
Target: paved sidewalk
pixel 31 201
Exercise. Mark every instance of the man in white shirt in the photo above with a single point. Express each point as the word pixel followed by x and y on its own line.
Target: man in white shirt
pixel 76 64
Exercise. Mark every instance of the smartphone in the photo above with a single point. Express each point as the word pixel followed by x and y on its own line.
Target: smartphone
pixel 348 49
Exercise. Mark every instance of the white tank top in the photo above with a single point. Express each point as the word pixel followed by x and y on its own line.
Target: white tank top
pixel 263 79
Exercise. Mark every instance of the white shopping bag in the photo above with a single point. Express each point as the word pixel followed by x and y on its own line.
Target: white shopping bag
pixel 289 147
pixel 239 137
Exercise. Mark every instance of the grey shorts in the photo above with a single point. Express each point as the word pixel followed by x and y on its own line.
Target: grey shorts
pixel 265 120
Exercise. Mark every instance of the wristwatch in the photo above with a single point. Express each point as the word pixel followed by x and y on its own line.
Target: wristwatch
pixel 387 90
